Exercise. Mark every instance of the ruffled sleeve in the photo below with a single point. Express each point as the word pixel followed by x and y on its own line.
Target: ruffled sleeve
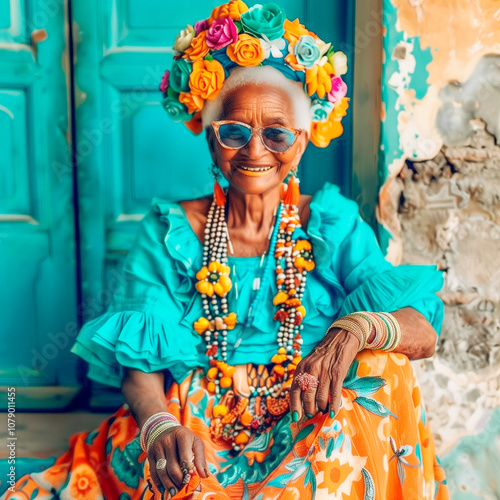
pixel 348 256
pixel 142 327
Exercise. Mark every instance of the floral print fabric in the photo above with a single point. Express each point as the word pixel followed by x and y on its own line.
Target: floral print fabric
pixel 378 446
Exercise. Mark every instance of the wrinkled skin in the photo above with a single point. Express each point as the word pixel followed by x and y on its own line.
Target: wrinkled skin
pixel 251 203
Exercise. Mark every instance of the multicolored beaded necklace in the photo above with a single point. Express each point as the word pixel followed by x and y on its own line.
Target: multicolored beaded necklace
pixel 236 417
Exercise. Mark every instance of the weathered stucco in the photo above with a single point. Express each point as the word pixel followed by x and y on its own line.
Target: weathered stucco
pixel 440 204
pixel 448 209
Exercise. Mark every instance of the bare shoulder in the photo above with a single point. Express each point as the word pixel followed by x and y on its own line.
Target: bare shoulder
pixel 196 213
pixel 304 211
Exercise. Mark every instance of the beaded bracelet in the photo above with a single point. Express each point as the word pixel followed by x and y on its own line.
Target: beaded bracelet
pixel 151 423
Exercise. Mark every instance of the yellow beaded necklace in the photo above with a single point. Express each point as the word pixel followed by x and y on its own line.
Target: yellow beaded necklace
pixel 235 418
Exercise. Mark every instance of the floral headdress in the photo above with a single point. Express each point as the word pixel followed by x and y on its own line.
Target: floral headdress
pixel 235 35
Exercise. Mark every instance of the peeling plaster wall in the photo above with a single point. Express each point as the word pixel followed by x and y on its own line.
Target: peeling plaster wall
pixel 440 204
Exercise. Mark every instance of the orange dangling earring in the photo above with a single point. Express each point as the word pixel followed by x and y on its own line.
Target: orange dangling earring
pixel 291 196
pixel 219 195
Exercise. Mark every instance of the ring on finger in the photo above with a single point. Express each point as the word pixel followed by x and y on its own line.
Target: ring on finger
pixel 306 381
pixel 186 473
pixel 161 463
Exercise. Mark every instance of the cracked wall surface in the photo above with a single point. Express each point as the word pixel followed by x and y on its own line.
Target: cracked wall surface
pixel 440 204
pixel 448 210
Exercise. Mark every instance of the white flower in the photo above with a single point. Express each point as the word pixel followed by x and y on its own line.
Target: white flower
pixel 339 62
pixel 184 38
pixel 273 47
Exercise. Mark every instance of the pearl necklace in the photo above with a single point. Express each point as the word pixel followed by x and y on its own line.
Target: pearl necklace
pixel 247 416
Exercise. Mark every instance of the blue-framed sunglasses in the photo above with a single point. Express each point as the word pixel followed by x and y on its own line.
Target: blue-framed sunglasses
pixel 236 135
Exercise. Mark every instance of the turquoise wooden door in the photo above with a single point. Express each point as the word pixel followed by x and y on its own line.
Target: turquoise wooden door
pixel 128 150
pixel 37 240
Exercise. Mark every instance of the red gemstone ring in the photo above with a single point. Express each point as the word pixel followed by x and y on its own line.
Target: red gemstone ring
pixel 306 381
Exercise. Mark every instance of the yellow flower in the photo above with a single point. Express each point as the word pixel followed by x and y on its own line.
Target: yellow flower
pixel 318 79
pixel 214 279
pixel 302 251
pixel 202 325
pixel 230 320
pixel 279 298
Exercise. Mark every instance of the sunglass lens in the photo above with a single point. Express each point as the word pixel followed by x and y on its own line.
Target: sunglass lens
pixel 278 139
pixel 234 136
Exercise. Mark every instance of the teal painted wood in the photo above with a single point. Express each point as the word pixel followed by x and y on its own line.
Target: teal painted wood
pixel 37 241
pixel 129 150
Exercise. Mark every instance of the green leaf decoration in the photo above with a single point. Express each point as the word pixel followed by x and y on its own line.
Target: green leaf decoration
pixel 209 57
pixel 238 26
pixel 109 446
pixel 281 481
pixel 304 433
pixel 329 449
pixel 366 385
pixel 321 443
pixel 374 407
pixel 351 374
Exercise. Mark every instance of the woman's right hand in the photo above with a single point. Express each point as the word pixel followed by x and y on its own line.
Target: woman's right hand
pixel 182 449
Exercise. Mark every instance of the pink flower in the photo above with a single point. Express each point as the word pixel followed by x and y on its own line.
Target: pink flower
pixel 222 33
pixel 200 26
pixel 339 90
pixel 164 81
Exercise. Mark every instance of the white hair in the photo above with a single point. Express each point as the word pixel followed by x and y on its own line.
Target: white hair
pixel 261 75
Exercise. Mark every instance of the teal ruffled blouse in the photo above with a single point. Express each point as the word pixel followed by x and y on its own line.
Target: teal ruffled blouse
pixel 149 324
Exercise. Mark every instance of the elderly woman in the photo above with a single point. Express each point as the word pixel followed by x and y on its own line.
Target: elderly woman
pixel 286 333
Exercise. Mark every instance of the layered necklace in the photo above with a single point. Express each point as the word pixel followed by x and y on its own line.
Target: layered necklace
pixel 236 417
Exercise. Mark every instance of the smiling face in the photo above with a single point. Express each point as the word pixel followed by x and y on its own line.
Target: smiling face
pixel 254 169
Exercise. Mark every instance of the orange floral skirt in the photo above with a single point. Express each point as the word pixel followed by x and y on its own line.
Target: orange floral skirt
pixel 378 446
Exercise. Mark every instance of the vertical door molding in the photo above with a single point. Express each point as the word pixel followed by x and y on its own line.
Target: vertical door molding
pixel 366 111
pixel 37 241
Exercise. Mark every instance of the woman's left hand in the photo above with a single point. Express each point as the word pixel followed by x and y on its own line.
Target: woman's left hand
pixel 329 361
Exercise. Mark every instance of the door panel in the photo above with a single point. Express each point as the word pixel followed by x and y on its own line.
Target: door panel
pixel 37 241
pixel 128 148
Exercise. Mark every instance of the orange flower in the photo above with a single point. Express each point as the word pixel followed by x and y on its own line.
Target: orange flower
pixel 323 132
pixel 83 483
pixel 318 80
pixel 194 103
pixel 246 51
pixel 294 30
pixel 340 109
pixel 195 124
pixel 206 79
pixel 214 279
pixel 233 9
pixel 236 8
pixel 291 60
pixel 198 49
pixel 302 251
